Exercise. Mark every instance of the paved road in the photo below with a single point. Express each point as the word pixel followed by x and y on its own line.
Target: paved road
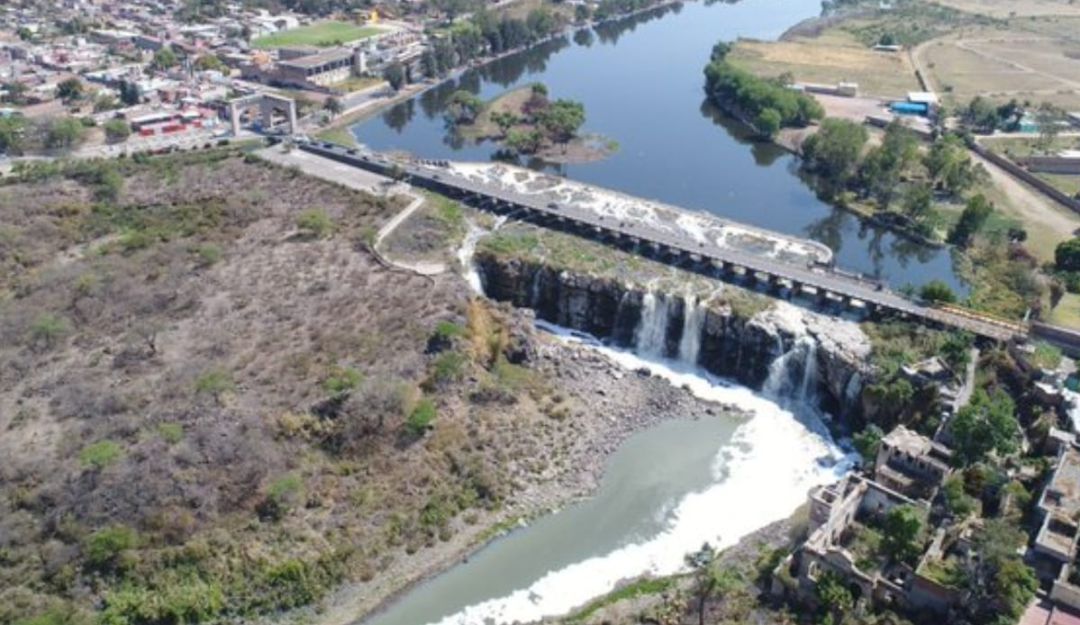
pixel 438 175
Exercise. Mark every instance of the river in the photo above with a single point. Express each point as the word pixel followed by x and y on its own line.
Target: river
pixel 665 492
pixel 641 83
pixel 668 489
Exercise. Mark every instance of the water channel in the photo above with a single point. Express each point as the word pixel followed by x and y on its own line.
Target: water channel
pixel 641 82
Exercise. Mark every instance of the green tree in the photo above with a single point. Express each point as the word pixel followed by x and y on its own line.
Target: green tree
pixel 421 418
pixel 957 501
pixel 950 165
pixel 918 200
pixel 129 93
pixel 1066 254
pixel 524 141
pixel 987 424
pixel 1001 585
pixel 900 532
pixel 981 115
pixel 164 59
pixel 720 51
pixel 505 120
pixel 463 107
pixel 12 133
pixel 1048 118
pixel 937 292
pixel 868 441
pixel 15 92
pixel 562 120
pixel 709 581
pixel 395 75
pixel 881 169
pixel 209 62
pixel 768 122
pixel 70 90
pixel 63 133
pixel 116 130
pixel 833 152
pixel 333 106
pixel 976 212
pixel 835 598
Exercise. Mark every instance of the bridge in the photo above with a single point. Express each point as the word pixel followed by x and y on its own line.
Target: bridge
pixel 825 283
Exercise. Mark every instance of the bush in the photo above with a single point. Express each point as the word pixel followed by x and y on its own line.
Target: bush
pixel 116 130
pixel 208 253
pixel 316 223
pixel 421 417
pixel 47 329
pixel 1067 255
pixel 342 380
pixel 171 433
pixel 937 292
pixel 448 367
pixel 214 382
pixel 100 454
pixel 103 548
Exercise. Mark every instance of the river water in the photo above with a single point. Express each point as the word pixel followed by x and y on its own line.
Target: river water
pixel 671 488
pixel 641 82
pixel 665 492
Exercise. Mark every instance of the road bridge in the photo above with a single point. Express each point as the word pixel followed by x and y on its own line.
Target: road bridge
pixel 828 285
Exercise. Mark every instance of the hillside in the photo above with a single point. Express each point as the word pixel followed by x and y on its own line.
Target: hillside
pixel 215 404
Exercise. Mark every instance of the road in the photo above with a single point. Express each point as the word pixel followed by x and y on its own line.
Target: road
pixel 437 175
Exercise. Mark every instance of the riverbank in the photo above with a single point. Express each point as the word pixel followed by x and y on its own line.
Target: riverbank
pixel 617 403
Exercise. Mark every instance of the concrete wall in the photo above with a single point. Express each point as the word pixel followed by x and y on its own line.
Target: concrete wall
pixel 1041 185
pixel 1053 164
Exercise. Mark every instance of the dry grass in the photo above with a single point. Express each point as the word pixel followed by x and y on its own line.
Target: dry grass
pixel 190 304
pixel 833 57
pixel 1005 64
pixel 1014 8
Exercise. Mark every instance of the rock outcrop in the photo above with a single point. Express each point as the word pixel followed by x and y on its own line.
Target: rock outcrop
pixel 735 342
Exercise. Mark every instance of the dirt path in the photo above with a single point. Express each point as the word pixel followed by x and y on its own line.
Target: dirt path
pixel 1047 223
pixel 424 268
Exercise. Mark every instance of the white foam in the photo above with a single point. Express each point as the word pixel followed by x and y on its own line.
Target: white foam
pixel 761 477
pixel 468 249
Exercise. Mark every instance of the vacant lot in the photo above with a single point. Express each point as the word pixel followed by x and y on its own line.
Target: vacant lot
pixel 1014 8
pixel 323 34
pixel 1004 65
pixel 832 57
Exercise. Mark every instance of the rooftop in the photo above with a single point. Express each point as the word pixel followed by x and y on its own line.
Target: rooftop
pixel 918 446
pixel 1062 495
pixel 322 58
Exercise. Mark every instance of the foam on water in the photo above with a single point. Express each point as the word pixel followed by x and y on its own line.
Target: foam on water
pixel 761 477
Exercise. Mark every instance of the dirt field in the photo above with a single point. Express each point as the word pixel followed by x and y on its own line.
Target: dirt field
pixel 1003 65
pixel 1014 8
pixel 833 57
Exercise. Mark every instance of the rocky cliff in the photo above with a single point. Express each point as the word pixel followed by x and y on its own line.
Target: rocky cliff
pixel 734 340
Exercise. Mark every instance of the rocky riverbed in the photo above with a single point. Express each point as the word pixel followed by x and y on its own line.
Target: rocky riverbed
pixel 612 403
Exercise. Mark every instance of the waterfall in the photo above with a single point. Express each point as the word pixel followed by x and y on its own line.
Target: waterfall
pixel 693 321
pixel 793 377
pixel 534 289
pixel 468 248
pixel 651 339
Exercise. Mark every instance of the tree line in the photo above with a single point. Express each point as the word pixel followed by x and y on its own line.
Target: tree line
pixel 767 104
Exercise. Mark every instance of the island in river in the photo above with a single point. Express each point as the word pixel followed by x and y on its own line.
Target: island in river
pixel 525 121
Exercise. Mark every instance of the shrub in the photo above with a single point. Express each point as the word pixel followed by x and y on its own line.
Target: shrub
pixel 208 253
pixel 342 380
pixel 47 329
pixel 214 382
pixel 316 223
pixel 448 367
pixel 937 292
pixel 103 548
pixel 421 417
pixel 100 454
pixel 171 433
